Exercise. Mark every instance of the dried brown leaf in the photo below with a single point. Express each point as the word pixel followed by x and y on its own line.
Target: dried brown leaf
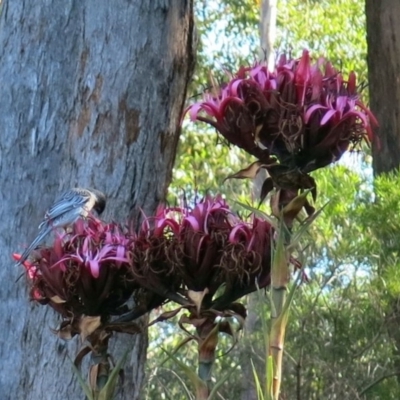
pixel 80 356
pixel 64 332
pixel 197 297
pixel 93 374
pixel 208 345
pixel 247 173
pixel 266 188
pixel 57 299
pixel 87 325
pixel 166 315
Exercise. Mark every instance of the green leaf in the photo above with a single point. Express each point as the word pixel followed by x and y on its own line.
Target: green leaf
pixel 107 392
pixel 220 382
pixel 198 383
pixel 182 383
pixel 87 390
pixel 291 210
pixel 304 227
pixel 259 214
pixel 270 377
pixel 260 395
pixel 177 347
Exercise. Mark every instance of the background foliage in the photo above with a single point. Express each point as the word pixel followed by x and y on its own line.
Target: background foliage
pixel 340 343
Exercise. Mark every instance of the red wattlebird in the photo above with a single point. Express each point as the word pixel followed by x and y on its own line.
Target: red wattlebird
pixel 73 204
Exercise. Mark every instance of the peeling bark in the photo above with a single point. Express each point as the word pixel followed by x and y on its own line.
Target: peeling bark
pixel 91 94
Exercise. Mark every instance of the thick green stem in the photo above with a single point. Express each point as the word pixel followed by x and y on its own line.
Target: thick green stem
pixel 205 368
pixel 280 276
pixel 277 337
pixel 286 205
pixel 202 393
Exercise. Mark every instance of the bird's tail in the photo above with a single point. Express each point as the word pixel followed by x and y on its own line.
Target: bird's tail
pixel 39 238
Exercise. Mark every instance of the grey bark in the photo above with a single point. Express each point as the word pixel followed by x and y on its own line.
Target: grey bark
pixel 383 37
pixel 268 12
pixel 91 94
pixel 268 29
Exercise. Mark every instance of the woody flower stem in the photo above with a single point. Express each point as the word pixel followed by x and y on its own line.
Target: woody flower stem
pixel 207 343
pixel 280 276
pixel 100 369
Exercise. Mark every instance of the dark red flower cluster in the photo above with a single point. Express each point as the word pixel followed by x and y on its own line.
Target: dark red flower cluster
pixel 96 268
pixel 85 272
pixel 300 117
pixel 206 248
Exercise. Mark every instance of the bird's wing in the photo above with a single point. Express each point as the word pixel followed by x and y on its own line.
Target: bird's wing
pixel 42 234
pixel 68 201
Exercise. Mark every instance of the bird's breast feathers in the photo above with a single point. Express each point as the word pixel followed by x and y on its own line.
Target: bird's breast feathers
pixel 88 206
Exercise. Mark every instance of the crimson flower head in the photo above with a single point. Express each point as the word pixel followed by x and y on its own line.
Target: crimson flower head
pixel 84 272
pixel 299 117
pixel 207 248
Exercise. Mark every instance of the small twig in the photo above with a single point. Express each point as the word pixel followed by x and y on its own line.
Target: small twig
pixel 370 344
pixel 378 380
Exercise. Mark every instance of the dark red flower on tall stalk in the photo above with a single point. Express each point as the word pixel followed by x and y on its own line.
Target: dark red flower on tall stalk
pixel 204 249
pixel 85 271
pixel 300 117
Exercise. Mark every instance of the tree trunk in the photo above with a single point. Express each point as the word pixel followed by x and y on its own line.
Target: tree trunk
pixel 268 30
pixel 91 95
pixel 383 37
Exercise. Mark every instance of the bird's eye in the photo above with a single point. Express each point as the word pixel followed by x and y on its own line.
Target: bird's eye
pixel 99 208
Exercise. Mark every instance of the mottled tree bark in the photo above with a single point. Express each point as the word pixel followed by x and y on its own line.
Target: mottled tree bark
pixel 383 37
pixel 91 94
